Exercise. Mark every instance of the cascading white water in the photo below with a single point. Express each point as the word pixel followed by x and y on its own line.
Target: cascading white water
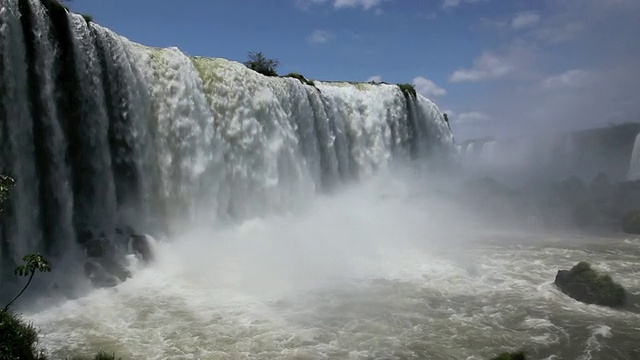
pixel 146 138
pixel 18 151
pixel 634 165
pixel 59 193
pixel 97 201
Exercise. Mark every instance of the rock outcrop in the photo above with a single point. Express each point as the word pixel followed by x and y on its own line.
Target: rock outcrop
pixel 589 286
pixel 141 245
pixel 105 265
pixel 631 222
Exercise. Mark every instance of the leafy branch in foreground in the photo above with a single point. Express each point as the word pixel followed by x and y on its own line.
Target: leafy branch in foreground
pixel 32 263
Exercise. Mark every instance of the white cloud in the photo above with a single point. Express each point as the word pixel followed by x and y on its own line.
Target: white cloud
pixel 448 4
pixel 376 78
pixel 365 4
pixel 304 4
pixel 539 98
pixel 319 37
pixel 558 34
pixel 427 88
pixel 487 66
pixel 472 116
pixel 340 4
pixel 525 19
pixel 575 78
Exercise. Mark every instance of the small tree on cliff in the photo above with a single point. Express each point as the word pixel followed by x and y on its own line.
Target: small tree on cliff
pixel 258 62
pixel 33 262
pixel 19 339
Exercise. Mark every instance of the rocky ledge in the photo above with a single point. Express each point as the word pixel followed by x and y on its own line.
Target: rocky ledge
pixel 589 286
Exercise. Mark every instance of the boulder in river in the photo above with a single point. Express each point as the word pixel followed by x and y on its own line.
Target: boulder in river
pixel 589 286
pixel 631 222
pixel 518 355
pixel 99 276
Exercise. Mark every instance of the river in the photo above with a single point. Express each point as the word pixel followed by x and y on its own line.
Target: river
pixel 374 272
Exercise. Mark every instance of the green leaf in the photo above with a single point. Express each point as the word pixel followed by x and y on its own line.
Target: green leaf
pixel 32 263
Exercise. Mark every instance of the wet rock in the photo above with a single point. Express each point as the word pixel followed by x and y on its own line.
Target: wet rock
pixel 585 284
pixel 96 248
pixel 104 268
pixel 116 269
pixel 98 276
pixel 631 222
pixel 518 355
pixel 141 245
pixel 106 265
pixel 84 236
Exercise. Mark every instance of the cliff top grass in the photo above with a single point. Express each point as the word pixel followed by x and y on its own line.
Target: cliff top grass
pixel 301 78
pixel 408 90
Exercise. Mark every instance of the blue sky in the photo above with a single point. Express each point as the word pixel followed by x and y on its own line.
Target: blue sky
pixel 498 67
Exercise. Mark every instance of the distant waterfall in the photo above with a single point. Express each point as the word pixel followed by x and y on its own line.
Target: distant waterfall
pixel 634 165
pixel 612 150
pixel 101 133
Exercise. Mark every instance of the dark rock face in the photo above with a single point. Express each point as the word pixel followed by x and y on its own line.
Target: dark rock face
pixel 631 222
pixel 591 287
pixel 140 245
pixel 96 248
pixel 105 265
pixel 99 276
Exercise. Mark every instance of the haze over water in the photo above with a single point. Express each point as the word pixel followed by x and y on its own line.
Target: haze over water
pixel 386 270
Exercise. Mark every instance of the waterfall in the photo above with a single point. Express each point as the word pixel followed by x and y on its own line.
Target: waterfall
pixel 18 147
pixel 634 165
pixel 56 192
pixel 102 134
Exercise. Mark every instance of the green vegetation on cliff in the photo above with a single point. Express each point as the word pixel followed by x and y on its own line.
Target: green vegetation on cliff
pixel 408 90
pixel 259 63
pixel 301 78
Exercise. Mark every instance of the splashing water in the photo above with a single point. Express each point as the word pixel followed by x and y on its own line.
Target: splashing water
pixel 381 270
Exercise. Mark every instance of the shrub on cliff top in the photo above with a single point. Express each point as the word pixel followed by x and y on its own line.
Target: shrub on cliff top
pixel 408 90
pixel 259 63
